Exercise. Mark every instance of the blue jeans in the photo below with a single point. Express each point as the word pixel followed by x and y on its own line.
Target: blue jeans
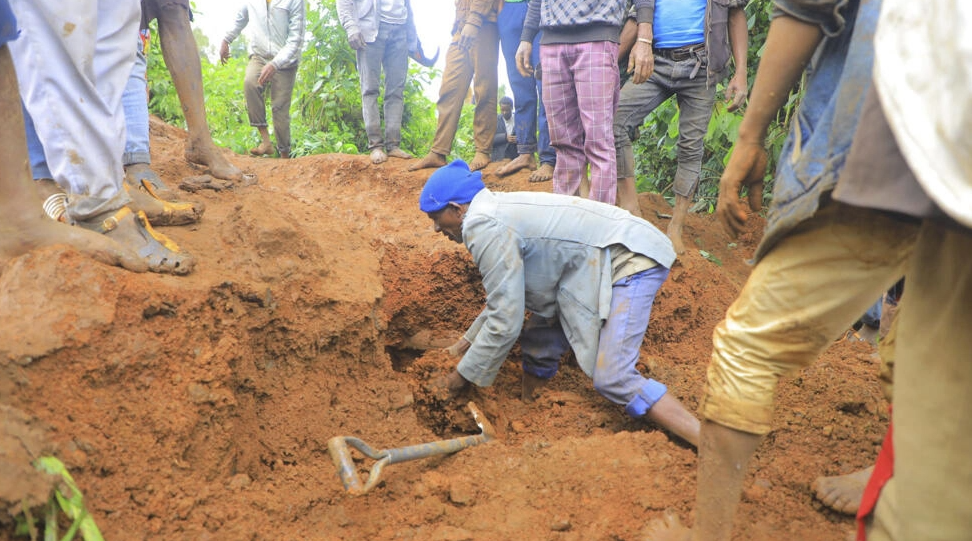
pixel 616 376
pixel 695 102
pixel 388 51
pixel 135 102
pixel 35 150
pixel 526 90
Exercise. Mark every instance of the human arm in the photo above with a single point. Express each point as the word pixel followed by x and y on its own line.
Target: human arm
pixel 531 27
pixel 641 60
pixel 790 44
pixel 738 85
pixel 289 54
pixel 242 18
pixel 495 249
pixel 347 15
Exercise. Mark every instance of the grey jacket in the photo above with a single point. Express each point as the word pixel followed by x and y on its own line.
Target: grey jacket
pixel 549 254
pixel 275 30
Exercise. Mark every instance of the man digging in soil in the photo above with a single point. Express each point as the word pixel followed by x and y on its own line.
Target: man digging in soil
pixel 587 271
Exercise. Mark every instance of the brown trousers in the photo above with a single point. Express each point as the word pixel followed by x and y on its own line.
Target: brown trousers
pixel 281 91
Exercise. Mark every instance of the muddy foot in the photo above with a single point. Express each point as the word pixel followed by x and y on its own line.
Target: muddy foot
pixel 842 493
pixel 430 160
pixel 675 235
pixel 523 161
pixel 667 528
pixel 399 153
pixel 481 160
pixel 133 231
pixel 212 158
pixel 531 386
pixel 543 174
pixel 160 211
pixel 378 156
pixel 264 149
pixel 34 230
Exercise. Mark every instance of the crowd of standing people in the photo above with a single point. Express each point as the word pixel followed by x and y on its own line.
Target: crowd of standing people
pixel 874 184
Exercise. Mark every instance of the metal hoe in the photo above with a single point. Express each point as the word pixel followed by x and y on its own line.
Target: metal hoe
pixel 337 447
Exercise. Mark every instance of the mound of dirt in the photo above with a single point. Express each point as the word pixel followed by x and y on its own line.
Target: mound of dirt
pixel 200 407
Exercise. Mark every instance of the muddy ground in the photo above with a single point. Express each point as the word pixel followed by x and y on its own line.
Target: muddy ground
pixel 200 407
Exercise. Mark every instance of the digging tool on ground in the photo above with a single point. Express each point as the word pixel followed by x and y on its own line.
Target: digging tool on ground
pixel 338 448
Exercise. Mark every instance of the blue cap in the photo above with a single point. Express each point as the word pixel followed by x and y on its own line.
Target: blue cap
pixel 453 183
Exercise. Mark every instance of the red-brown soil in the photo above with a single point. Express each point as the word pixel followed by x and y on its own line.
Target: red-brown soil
pixel 200 407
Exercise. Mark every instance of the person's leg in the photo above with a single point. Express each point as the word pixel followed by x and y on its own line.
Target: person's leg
pixel 456 76
pixel 596 77
pixel 149 194
pixel 635 103
pixel 396 70
pixel 542 344
pixel 695 102
pixel 932 432
pixel 566 133
pixel 182 59
pixel 256 105
pixel 485 59
pixel 23 225
pixel 510 24
pixel 616 376
pixel 281 94
pixel 78 115
pixel 548 158
pixel 369 77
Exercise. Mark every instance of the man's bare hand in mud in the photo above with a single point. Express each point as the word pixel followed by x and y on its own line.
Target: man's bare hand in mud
pixel 641 62
pixel 736 92
pixel 746 168
pixel 467 38
pixel 459 348
pixel 453 384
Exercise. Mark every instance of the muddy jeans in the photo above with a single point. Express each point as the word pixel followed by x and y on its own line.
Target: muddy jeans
pixel 281 91
pixel 616 376
pixel 695 102
pixel 388 51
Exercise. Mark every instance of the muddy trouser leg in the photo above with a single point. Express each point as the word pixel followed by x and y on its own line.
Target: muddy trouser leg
pixel 799 297
pixel 76 106
pixel 485 57
pixel 256 103
pixel 616 375
pixel 929 495
pixel 369 78
pixel 542 343
pixel 136 113
pixel 636 102
pixel 281 92
pixel 510 24
pixel 456 76
pixel 395 63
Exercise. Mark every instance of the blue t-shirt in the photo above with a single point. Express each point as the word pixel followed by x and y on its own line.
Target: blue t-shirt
pixel 678 23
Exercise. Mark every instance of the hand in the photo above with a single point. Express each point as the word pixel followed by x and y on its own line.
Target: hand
pixel 523 53
pixel 224 53
pixel 356 41
pixel 736 92
pixel 468 36
pixel 747 166
pixel 459 348
pixel 511 138
pixel 456 384
pixel 266 73
pixel 641 62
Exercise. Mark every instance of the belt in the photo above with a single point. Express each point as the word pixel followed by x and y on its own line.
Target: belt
pixel 680 53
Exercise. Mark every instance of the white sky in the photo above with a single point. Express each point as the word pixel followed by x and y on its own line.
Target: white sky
pixel 433 20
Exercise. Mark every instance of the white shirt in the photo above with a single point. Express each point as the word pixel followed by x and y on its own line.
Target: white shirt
pixel 923 74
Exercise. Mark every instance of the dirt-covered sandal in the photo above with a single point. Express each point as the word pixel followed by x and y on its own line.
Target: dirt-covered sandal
pixel 133 230
pixel 160 211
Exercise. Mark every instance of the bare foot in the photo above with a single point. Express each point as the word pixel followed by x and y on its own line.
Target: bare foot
pixel 133 231
pixel 212 157
pixel 263 149
pixel 842 493
pixel 675 235
pixel 158 210
pixel 34 230
pixel 531 386
pixel 399 153
pixel 667 528
pixel 430 160
pixel 543 174
pixel 378 156
pixel 522 161
pixel 481 160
